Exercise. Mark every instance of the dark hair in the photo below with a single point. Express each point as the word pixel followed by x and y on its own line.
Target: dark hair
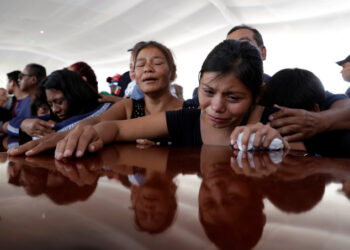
pixel 296 196
pixel 37 70
pixel 244 230
pixel 37 103
pixel 13 76
pixel 80 97
pixel 109 79
pixel 166 52
pixel 65 193
pixel 167 187
pixel 257 36
pixel 294 88
pixel 70 192
pixel 84 69
pixel 239 58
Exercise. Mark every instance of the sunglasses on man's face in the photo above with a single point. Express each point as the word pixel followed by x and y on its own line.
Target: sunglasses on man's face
pixel 113 84
pixel 21 75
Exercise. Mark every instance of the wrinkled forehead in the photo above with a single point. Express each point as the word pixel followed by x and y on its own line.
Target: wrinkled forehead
pixel 214 76
pixel 243 35
pixel 150 51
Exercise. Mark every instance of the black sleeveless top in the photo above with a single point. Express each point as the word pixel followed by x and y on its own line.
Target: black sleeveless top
pixel 138 110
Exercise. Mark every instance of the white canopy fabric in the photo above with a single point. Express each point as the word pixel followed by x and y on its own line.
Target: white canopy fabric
pixel 310 34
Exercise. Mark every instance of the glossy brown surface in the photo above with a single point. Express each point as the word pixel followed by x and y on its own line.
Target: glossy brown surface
pixel 175 198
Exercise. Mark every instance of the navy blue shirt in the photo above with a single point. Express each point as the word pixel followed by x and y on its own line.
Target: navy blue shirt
pixel 332 98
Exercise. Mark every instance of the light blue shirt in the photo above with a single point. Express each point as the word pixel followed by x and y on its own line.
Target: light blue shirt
pixel 136 93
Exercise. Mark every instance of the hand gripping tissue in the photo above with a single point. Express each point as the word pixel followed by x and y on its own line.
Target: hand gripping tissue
pixel 276 143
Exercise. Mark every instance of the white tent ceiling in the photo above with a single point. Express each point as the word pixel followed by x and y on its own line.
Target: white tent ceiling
pixel 310 34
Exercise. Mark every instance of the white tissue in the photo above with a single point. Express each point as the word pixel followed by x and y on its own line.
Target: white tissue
pixel 276 157
pixel 276 143
pixel 250 159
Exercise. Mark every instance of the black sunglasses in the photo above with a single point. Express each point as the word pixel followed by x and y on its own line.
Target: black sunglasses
pixel 21 75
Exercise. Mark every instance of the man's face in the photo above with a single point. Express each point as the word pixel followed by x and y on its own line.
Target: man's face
pixel 113 88
pixel 9 86
pixel 26 79
pixel 346 71
pixel 248 36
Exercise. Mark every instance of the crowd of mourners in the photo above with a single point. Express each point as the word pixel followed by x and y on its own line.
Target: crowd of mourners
pixel 236 104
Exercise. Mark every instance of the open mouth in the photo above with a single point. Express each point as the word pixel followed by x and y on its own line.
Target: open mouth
pixel 149 79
